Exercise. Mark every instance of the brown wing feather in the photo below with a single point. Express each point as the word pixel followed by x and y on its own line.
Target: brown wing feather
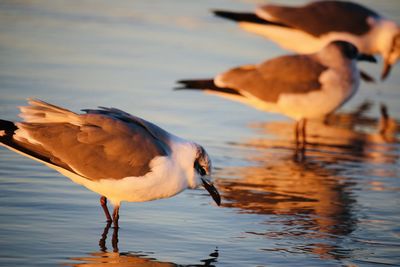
pixel 103 147
pixel 320 17
pixel 267 81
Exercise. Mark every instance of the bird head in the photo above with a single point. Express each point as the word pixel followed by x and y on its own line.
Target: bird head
pixel 392 57
pixel 350 51
pixel 202 173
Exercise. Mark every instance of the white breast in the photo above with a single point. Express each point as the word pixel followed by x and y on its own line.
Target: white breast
pixel 338 85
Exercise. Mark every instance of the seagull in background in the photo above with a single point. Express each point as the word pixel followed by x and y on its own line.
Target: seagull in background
pixel 110 152
pixel 299 86
pixel 309 28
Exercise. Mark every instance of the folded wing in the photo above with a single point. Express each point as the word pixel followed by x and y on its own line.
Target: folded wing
pixel 104 143
pixel 318 18
pixel 267 81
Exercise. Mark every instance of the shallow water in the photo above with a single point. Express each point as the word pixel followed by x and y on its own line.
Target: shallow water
pixel 337 205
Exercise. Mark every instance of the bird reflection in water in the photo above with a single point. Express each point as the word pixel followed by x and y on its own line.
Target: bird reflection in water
pixel 355 132
pixel 128 259
pixel 309 198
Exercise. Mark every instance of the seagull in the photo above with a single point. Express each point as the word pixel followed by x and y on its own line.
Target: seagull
pixel 309 28
pixel 117 155
pixel 299 86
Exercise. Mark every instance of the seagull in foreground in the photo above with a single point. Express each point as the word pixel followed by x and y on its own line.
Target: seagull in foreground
pixel 308 28
pixel 299 86
pixel 117 155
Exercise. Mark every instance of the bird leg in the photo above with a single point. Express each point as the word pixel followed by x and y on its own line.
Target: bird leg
pixel 303 132
pixel 300 140
pixel 114 240
pixel 296 133
pixel 384 121
pixel 300 127
pixel 103 203
pixel 116 216
pixel 102 241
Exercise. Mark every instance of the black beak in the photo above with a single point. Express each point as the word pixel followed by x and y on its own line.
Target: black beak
pixel 366 77
pixel 386 70
pixel 212 191
pixel 365 57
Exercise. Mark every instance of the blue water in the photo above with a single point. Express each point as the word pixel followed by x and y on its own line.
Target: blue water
pixel 335 206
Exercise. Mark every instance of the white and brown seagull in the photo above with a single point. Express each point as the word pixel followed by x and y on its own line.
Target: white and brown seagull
pixel 117 155
pixel 299 86
pixel 308 28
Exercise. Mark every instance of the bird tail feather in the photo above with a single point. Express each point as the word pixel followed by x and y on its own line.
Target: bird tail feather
pixel 204 85
pixel 42 112
pixel 245 17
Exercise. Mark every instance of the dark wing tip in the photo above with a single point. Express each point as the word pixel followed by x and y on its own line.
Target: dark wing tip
pixel 203 85
pixel 195 84
pixel 220 13
pixel 239 16
pixel 7 129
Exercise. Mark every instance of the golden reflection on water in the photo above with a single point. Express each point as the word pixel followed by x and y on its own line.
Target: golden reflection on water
pixel 106 258
pixel 109 259
pixel 312 192
pixel 352 137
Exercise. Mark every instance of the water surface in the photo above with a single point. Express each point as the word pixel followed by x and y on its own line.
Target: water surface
pixel 336 205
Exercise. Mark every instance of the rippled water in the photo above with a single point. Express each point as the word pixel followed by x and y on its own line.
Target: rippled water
pixel 336 205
